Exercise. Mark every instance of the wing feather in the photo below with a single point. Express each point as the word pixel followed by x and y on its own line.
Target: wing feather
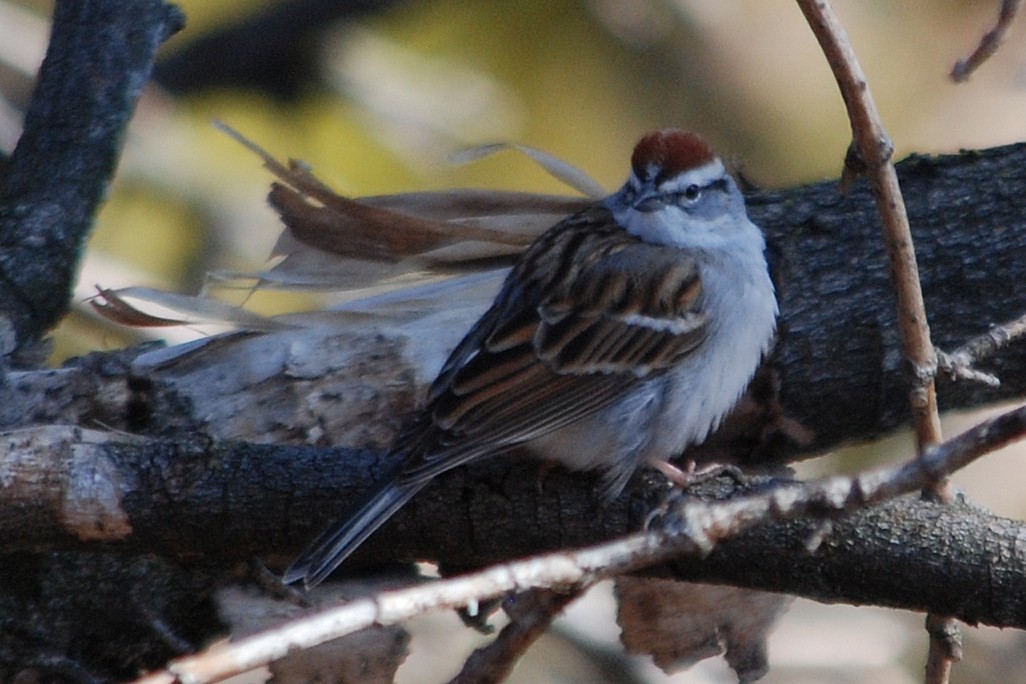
pixel 588 313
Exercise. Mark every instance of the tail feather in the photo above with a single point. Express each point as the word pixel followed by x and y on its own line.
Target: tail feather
pixel 337 542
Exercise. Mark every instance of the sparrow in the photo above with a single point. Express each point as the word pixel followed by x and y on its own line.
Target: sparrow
pixel 623 335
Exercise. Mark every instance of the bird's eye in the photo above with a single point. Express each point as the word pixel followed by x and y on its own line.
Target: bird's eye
pixel 691 193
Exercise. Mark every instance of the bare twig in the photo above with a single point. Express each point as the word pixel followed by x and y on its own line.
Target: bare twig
pixel 989 44
pixel 874 148
pixel 492 663
pixel 945 647
pixel 959 363
pixel 567 570
pixel 959 369
pixel 693 527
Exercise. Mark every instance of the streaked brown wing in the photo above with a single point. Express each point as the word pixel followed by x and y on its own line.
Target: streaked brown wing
pixel 588 312
pixel 633 312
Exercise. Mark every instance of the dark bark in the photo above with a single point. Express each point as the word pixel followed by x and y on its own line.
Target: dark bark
pixel 99 57
pixel 219 504
pixel 201 505
pixel 837 367
pixel 842 374
pixel 953 560
pixel 57 619
pixel 838 372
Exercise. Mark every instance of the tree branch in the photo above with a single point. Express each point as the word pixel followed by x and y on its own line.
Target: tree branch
pixel 874 149
pixel 690 529
pixel 835 368
pixel 267 500
pixel 100 56
pixel 841 375
pixel 989 43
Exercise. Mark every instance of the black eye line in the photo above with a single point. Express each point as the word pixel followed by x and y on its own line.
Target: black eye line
pixel 693 191
pixel 689 194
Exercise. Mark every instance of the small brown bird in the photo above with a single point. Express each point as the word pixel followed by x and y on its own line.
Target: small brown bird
pixel 623 335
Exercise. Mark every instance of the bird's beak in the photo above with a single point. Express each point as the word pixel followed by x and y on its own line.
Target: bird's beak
pixel 648 203
pixel 647 200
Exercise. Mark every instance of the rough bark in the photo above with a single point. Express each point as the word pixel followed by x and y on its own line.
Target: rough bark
pixel 80 513
pixel 219 504
pixel 99 57
pixel 836 368
pixel 194 495
pixel 841 369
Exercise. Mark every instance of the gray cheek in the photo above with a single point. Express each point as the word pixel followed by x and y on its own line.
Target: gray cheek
pixel 715 206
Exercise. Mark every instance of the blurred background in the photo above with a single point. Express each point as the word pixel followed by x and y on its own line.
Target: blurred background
pixel 377 95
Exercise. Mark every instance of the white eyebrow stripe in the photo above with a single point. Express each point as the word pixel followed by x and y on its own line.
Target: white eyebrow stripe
pixel 701 176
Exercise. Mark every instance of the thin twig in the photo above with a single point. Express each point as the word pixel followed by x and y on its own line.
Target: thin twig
pixel 693 527
pixel 574 570
pixel 958 369
pixel 959 363
pixel 945 647
pixel 989 44
pixel 493 663
pixel 874 148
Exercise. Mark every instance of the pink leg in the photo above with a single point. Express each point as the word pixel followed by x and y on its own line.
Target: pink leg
pixel 691 474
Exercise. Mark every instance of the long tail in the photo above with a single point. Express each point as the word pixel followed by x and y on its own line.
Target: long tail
pixel 337 542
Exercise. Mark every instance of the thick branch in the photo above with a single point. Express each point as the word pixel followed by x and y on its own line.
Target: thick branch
pixel 839 375
pixel 99 58
pixel 194 496
pixel 839 369
pixel 268 500
pixel 842 374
